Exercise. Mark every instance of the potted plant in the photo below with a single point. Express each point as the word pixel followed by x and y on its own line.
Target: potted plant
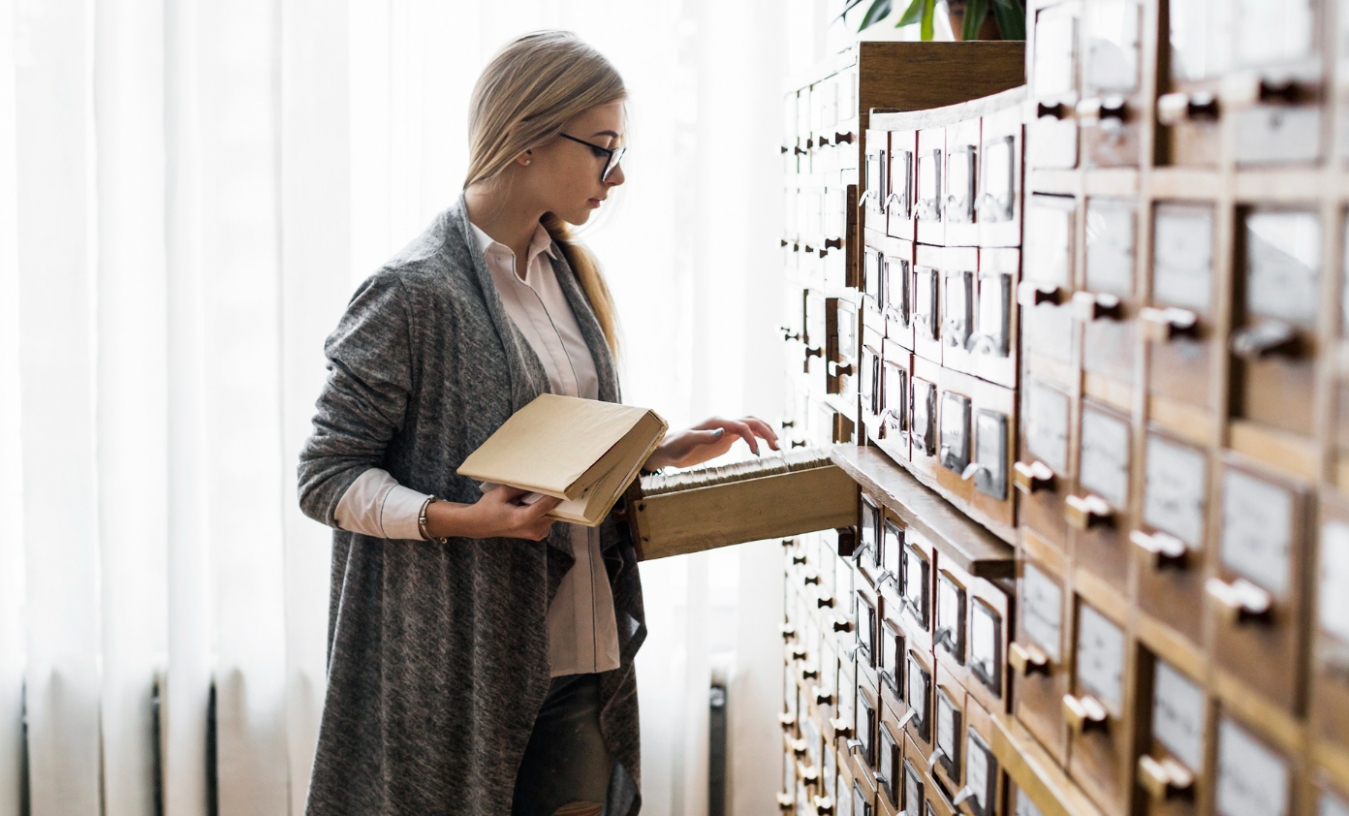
pixel 969 17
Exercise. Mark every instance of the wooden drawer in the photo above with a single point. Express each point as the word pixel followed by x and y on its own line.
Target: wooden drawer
pixel 897 291
pixel 921 795
pixel 1253 773
pixel 1098 710
pixel 900 201
pixel 927 306
pixel 1050 336
pixel 1277 296
pixel 975 422
pixel 896 371
pixel 1113 110
pixel 844 724
pixel 889 582
pixel 1330 645
pixel 990 621
pixel 984 789
pixel 1042 473
pixel 920 690
pixel 1170 544
pixel 918 588
pixel 997 320
pixel 1099 511
pixel 816 340
pixel 1257 595
pixel 924 424
pixel 959 290
pixel 1054 69
pixel 1172 770
pixel 842 353
pixel 872 282
pixel 871 381
pixel 960 195
pixel 890 672
pixel 1108 307
pixel 825 802
pixel 1179 320
pixel 947 761
pixel 868 555
pixel 890 773
pixel 872 192
pixel 865 747
pixel 999 208
pixel 868 627
pixel 951 634
pixel 823 698
pixel 929 192
pixel 1038 657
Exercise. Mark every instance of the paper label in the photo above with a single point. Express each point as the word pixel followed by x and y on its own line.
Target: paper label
pixel 1333 597
pixel 948 730
pixel 1257 531
pixel 925 300
pixel 913 792
pixel 1283 265
pixel 990 440
pixel 1178 715
pixel 1105 457
pixel 986 645
pixel 1048 240
pixel 1269 33
pixel 875 182
pixel 929 185
pixel 869 529
pixel 892 645
pixel 924 406
pixel 1110 246
pixel 893 546
pixel 896 289
pixel 951 617
pixel 1201 37
pixel 1047 421
pixel 1042 605
pixel 960 185
pixel 896 401
pixel 901 184
pixel 995 301
pixel 1276 134
pixel 1100 657
pixel 997 202
pixel 1051 331
pixel 916 579
pixel 959 311
pixel 955 431
pixel 920 692
pixel 981 769
pixel 1055 53
pixel 1176 484
pixel 1252 780
pixel 1112 46
pixel 1182 263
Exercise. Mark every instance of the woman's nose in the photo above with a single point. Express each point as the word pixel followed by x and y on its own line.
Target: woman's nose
pixel 616 176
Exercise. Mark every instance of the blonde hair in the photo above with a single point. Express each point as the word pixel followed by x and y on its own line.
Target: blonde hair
pixel 529 91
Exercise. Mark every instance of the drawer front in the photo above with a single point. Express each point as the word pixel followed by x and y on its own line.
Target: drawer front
pixel 1107 307
pixel 896 371
pixel 920 683
pixel 1098 711
pixel 997 320
pixel 947 761
pixel 1049 332
pixel 1170 545
pixel 930 194
pixel 1038 657
pixel 1252 778
pixel 1330 651
pixel 897 290
pixel 1042 472
pixel 1098 512
pixel 1000 180
pixel 899 203
pixel 1112 111
pixel 959 288
pixel 1051 138
pixel 1179 322
pixel 1171 767
pixel 960 193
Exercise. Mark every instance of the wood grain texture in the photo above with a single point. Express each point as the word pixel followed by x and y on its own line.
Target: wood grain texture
pixel 957 538
pixel 1035 772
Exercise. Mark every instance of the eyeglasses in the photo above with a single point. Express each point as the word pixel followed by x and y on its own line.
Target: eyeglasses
pixel 611 157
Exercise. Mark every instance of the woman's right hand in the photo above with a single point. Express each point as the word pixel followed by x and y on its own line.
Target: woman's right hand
pixel 498 514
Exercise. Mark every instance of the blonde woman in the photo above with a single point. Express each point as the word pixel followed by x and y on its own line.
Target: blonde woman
pixel 480 658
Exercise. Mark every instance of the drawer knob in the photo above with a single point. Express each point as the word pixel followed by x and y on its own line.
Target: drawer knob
pixel 788 423
pixel 798 559
pixel 787 720
pixel 1027 660
pixel 788 543
pixel 1089 306
pixel 822 141
pixel 810 673
pixel 823 698
pixel 1160 550
pixel 811 578
pixel 799 747
pixel 785 801
pixel 1031 477
pixel 842 625
pixel 814 352
pixel 1173 108
pixel 1030 293
pixel 1087 512
pixel 1094 111
pixel 784 149
pixel 843 138
pixel 1085 714
pixel 798 652
pixel 799 444
pixel 823 805
pixel 1282 92
pixel 788 631
pixel 1164 325
pixel 1240 602
pixel 799 151
pixel 834 243
pixel 1165 779
pixel 840 369
pixel 1050 110
pixel 824 602
pixel 1266 339
pixel 841 728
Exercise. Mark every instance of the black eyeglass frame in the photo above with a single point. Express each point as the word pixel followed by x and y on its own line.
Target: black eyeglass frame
pixel 615 155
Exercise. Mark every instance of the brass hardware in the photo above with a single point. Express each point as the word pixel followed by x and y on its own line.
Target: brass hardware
pixel 1266 339
pixel 1030 293
pixel 1164 325
pixel 1240 602
pixel 1086 512
pixel 1030 477
pixel 1164 779
pixel 1089 306
pixel 1160 550
pixel 1085 714
pixel 1027 660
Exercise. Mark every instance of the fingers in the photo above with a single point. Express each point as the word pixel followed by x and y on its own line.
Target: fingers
pixel 508 494
pixel 743 431
pixel 764 430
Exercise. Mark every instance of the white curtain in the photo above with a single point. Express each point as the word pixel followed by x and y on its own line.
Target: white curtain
pixel 189 192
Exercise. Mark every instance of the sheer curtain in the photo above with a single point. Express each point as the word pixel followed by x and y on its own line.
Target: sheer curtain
pixel 189 192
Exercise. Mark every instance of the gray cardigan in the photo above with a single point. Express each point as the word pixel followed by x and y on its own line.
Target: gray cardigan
pixel 438 656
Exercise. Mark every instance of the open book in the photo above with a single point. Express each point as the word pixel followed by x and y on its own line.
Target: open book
pixel 585 452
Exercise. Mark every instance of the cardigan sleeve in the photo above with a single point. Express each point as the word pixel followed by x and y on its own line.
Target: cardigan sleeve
pixel 363 402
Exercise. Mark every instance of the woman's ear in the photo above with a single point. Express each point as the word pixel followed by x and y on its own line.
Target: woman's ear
pixel 525 158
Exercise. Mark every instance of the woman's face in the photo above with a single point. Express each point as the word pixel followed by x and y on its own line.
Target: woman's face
pixel 565 175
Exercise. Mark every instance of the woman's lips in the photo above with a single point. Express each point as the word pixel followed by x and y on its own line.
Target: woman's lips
pixel 594 202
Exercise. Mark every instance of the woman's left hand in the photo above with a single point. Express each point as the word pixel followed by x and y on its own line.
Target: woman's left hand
pixel 710 439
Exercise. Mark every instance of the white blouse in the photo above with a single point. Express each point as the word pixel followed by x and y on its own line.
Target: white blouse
pixel 582 630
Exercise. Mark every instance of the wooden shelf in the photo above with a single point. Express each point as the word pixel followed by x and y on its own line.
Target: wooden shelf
pixel 1035 772
pixel 955 535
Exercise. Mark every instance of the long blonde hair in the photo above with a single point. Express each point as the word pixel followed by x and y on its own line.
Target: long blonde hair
pixel 529 91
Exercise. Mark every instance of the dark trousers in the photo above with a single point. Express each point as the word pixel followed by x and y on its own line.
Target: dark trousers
pixel 566 766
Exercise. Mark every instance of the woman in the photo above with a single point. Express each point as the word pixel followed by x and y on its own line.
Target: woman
pixel 480 658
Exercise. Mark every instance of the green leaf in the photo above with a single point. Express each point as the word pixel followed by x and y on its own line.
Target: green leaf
pixel 926 30
pixel 880 9
pixel 1011 17
pixel 852 4
pixel 912 14
pixel 975 12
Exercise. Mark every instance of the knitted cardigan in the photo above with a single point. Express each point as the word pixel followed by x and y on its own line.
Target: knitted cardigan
pixel 438 655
